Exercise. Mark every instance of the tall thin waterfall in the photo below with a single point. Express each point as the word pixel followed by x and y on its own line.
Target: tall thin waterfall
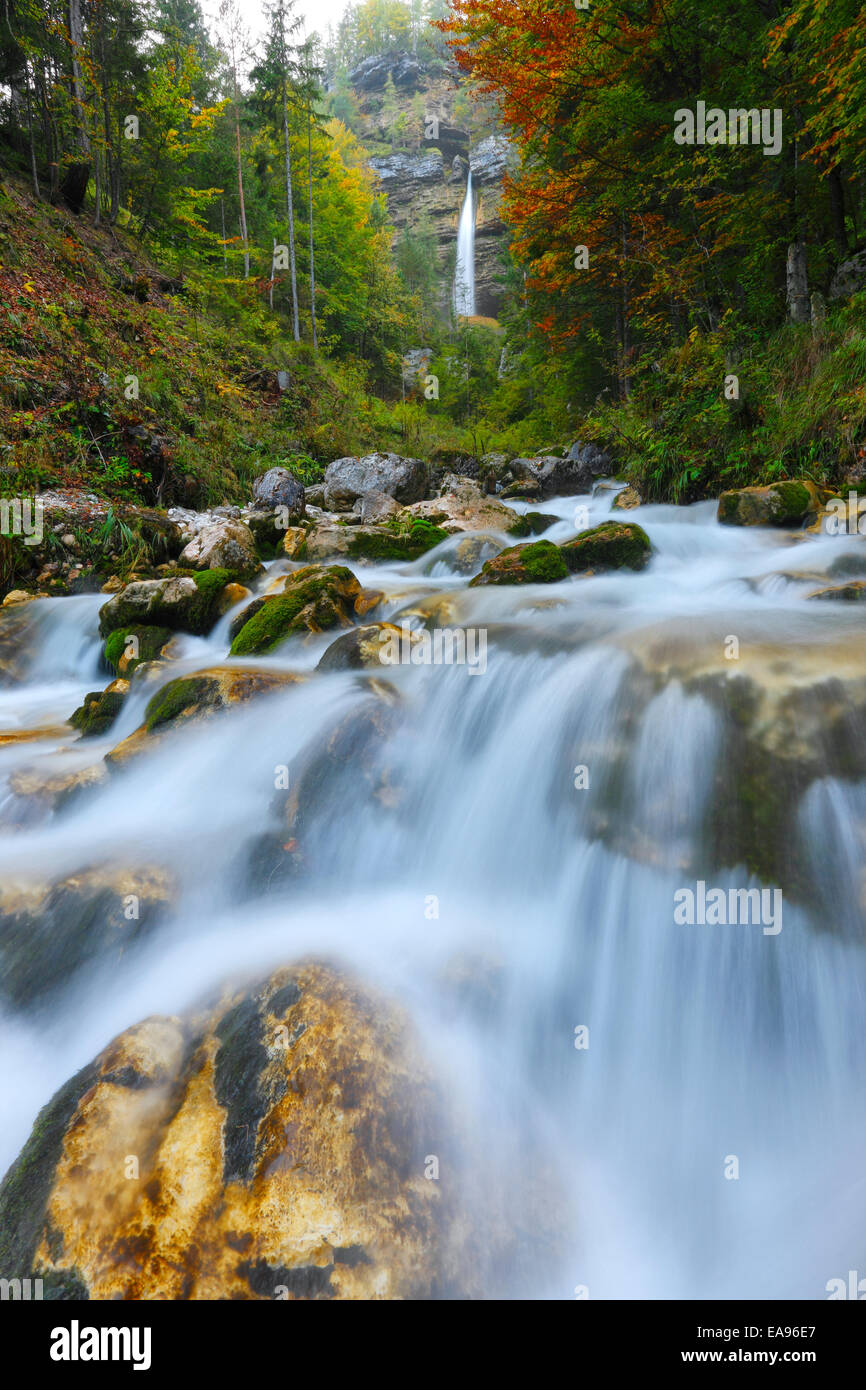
pixel 464 278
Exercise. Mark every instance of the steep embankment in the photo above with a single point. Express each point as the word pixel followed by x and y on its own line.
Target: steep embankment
pixel 145 384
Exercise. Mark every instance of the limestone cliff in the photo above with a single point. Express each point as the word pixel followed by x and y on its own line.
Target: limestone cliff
pixel 423 135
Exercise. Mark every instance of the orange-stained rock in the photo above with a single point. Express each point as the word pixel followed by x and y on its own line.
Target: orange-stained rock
pixel 273 1147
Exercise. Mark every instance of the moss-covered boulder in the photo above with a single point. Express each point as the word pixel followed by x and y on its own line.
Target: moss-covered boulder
pixel 794 502
pixel 184 604
pixel 532 524
pixel 537 563
pixel 50 932
pixel 126 648
pixel 99 710
pixel 613 545
pixel 367 648
pixel 462 505
pixel 395 542
pixel 314 599
pixel 194 698
pixel 273 1146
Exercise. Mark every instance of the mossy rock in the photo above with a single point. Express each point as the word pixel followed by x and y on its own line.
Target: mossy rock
pixel 388 544
pixel 613 545
pixel 149 643
pixel 540 562
pixel 314 599
pixel 531 524
pixel 792 502
pixel 181 697
pixel 185 603
pixel 98 712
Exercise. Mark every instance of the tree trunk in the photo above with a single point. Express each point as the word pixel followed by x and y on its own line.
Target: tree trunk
pixel 837 212
pixel 74 186
pixel 310 189
pixel 291 211
pixel 799 307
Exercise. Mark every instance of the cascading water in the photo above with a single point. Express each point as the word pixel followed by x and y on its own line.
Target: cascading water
pixel 706 1043
pixel 464 276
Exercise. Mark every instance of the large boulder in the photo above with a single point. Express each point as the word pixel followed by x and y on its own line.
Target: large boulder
pixel 183 604
pixel 611 546
pixel 849 278
pixel 347 479
pixel 274 1145
pixel 537 563
pixel 225 544
pixel 463 506
pixel 279 488
pixel 50 932
pixel 313 600
pixel 794 502
pixel 574 473
pixel 192 699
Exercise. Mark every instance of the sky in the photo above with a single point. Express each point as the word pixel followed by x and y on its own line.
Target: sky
pixel 315 14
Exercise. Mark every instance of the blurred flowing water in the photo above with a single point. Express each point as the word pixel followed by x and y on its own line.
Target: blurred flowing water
pixel 551 902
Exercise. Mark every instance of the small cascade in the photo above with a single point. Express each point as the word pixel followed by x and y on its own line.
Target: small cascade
pixel 464 276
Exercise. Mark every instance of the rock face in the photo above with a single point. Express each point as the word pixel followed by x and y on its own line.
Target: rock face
pixel 849 278
pixel 791 503
pixel 347 479
pixel 273 1147
pixel 423 174
pixel 279 488
pixel 576 473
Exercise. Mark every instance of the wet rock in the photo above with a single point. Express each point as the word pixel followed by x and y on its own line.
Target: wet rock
pixel 38 793
pixel 576 472
pixel 279 488
pixel 791 503
pixel 96 715
pixel 280 1137
pixel 313 600
pixel 463 506
pixel 471 553
pixel 16 596
pixel 612 545
pixel 227 545
pixel 347 479
pixel 626 500
pixel 855 592
pixel 532 524
pixel 185 604
pixel 48 934
pixel 364 648
pixel 126 648
pixel 540 562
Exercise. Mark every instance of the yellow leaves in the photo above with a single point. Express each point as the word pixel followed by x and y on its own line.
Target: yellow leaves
pixel 225 388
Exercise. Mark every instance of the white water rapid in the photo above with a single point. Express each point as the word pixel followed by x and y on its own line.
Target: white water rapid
pixel 705 1042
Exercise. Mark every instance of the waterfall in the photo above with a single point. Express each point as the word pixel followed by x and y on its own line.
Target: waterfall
pixel 556 896
pixel 464 277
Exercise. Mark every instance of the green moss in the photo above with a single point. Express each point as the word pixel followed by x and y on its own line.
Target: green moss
pixel 537 563
pixel 26 1187
pixel 212 582
pixel 98 712
pixel 531 524
pixel 393 543
pixel 314 600
pixel 151 641
pixel 795 500
pixel 189 692
pixel 612 545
